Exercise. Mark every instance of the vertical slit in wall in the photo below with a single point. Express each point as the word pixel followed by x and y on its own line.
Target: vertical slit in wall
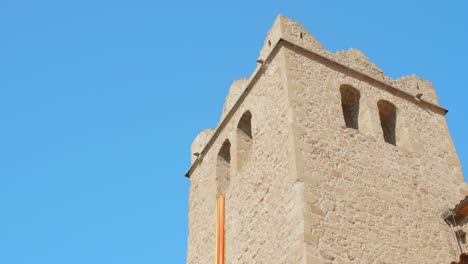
pixel 223 167
pixel 350 104
pixel 244 139
pixel 388 118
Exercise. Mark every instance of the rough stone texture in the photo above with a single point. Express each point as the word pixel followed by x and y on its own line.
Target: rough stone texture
pixel 416 84
pixel 200 142
pixel 236 89
pixel 313 190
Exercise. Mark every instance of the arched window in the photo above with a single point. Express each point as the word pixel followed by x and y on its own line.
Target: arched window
pixel 223 167
pixel 388 118
pixel 244 139
pixel 350 104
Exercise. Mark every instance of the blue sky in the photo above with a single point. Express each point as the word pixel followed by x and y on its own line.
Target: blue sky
pixel 100 100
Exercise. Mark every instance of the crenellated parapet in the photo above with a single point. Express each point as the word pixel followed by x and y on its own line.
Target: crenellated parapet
pixel 292 31
pixel 236 89
pixel 416 85
pixel 200 142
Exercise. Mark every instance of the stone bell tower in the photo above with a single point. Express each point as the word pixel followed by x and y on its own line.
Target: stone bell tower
pixel 324 159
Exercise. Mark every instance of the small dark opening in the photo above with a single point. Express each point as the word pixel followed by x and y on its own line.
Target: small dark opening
pixel 350 104
pixel 223 167
pixel 388 118
pixel 269 43
pixel 244 139
pixel 245 124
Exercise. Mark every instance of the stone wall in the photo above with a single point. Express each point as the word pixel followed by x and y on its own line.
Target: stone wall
pixel 369 201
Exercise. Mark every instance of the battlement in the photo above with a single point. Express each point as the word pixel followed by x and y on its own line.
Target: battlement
pixel 291 31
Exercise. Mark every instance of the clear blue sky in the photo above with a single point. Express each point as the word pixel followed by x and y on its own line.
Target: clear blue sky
pixel 100 100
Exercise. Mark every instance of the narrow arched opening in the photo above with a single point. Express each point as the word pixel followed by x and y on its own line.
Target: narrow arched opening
pixel 244 139
pixel 350 105
pixel 223 167
pixel 388 119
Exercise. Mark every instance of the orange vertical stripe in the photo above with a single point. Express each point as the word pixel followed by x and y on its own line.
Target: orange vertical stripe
pixel 220 226
pixel 217 233
pixel 220 239
pixel 223 221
